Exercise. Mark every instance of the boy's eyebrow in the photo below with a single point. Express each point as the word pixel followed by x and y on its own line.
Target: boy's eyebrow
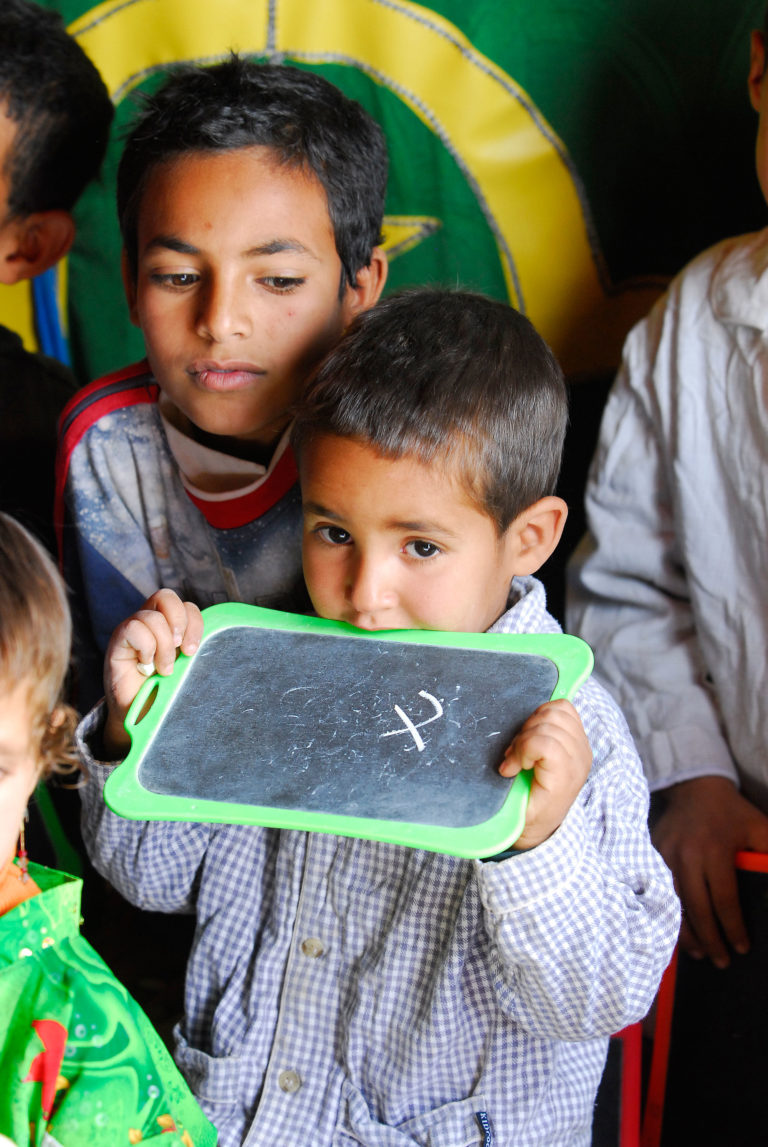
pixel 273 247
pixel 413 527
pixel 319 511
pixel 277 246
pixel 171 243
pixel 424 528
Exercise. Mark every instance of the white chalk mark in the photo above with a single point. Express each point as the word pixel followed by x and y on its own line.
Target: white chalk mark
pixel 435 702
pixel 409 725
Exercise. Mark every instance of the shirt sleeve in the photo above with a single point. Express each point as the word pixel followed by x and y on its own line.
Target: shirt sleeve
pixel 584 925
pixel 107 559
pixel 628 594
pixel 115 500
pixel 153 864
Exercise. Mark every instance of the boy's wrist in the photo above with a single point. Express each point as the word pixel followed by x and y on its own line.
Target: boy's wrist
pixel 507 854
pixel 115 742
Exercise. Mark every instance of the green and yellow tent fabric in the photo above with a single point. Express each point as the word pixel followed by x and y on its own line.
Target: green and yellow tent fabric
pixel 567 155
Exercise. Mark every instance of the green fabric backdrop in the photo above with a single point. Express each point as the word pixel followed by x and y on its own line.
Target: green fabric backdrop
pixel 644 100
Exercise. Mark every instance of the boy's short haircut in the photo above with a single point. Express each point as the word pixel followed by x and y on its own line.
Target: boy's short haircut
pixel 57 99
pixel 35 639
pixel 305 120
pixel 453 378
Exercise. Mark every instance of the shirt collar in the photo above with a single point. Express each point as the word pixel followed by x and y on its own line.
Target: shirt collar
pixel 526 610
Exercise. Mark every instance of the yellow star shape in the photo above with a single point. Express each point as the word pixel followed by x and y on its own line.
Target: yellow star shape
pixel 404 232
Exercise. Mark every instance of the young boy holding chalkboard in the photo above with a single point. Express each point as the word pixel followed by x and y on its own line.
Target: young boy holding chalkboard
pixel 344 991
pixel 250 199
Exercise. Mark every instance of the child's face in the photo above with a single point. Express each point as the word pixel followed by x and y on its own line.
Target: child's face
pixel 8 129
pixel 19 764
pixel 758 94
pixel 396 544
pixel 237 290
pixel 29 243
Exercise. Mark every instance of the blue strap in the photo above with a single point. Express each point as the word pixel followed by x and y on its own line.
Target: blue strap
pixel 50 336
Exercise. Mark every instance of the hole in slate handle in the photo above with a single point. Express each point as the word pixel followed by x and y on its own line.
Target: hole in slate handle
pixel 149 701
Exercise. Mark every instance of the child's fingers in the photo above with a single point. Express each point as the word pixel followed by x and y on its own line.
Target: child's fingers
pixel 532 749
pixel 151 638
pixel 552 738
pixel 183 618
pixel 144 644
pixel 149 641
pixel 560 714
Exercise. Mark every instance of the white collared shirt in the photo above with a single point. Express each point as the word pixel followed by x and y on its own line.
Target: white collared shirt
pixel 672 589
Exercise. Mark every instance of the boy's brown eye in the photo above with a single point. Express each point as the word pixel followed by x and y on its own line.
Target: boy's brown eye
pixel 335 535
pixel 423 549
pixel 182 279
pixel 283 282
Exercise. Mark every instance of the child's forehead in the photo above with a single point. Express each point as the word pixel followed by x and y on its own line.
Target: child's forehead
pixel 257 166
pixel 344 467
pixel 18 700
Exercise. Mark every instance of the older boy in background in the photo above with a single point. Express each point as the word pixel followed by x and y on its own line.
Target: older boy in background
pixel 250 200
pixel 55 115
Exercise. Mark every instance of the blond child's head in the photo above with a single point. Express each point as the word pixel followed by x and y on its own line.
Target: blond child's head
pixel 35 637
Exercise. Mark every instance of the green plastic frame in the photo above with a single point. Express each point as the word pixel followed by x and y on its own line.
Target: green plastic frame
pixel 125 795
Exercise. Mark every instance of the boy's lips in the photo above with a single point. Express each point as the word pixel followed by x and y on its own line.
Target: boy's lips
pixel 224 376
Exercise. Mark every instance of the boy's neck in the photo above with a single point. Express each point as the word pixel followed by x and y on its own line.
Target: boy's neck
pixel 248 450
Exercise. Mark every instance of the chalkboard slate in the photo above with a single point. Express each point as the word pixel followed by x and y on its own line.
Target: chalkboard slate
pixel 297 722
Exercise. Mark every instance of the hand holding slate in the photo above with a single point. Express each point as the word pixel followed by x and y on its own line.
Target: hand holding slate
pixel 163 626
pixel 553 743
pixel 297 722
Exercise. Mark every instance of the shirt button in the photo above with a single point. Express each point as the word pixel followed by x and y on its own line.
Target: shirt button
pixel 289 1081
pixel 313 947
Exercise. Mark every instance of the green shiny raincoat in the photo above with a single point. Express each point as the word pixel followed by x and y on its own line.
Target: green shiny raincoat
pixel 80 1063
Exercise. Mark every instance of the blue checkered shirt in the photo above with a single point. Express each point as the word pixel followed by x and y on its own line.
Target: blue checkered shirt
pixel 341 992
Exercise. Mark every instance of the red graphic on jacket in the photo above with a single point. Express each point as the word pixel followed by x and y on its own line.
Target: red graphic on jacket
pixel 46 1066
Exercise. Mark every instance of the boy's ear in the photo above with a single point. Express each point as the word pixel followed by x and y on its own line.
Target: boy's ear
pixel 32 244
pixel 129 286
pixel 369 285
pixel 534 534
pixel 756 68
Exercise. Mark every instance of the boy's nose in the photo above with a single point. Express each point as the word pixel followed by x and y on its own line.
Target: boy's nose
pixel 370 589
pixel 221 314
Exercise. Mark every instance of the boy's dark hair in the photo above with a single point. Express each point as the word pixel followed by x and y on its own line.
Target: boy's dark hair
pixel 60 105
pixel 447 377
pixel 306 121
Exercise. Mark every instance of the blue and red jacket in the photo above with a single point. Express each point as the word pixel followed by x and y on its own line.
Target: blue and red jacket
pixel 127 525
